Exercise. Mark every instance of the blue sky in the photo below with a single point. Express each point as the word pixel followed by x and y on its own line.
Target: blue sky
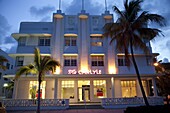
pixel 12 12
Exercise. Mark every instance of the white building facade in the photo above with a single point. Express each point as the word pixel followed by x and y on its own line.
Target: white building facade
pixel 9 70
pixel 90 69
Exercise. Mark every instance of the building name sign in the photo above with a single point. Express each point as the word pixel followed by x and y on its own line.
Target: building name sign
pixel 73 71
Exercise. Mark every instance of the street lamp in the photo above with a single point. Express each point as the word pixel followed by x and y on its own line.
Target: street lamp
pixel 5 85
pixel 156 64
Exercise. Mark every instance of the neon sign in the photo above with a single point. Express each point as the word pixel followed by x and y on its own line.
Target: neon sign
pixel 73 71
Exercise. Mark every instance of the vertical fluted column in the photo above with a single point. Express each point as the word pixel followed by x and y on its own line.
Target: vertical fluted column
pixel 84 40
pixel 57 39
pixel 111 53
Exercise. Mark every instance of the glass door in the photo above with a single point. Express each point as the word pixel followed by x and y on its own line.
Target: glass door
pixel 83 91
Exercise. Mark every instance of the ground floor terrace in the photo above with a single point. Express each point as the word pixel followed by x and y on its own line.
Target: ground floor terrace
pixel 88 88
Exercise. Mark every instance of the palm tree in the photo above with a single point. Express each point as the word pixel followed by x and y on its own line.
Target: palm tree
pixel 2 60
pixel 131 31
pixel 40 67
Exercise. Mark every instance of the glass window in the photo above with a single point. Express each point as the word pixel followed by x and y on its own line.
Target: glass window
pixel 70 61
pixel 74 42
pixel 22 41
pixel 67 42
pixel 97 60
pixel 44 42
pixel 33 90
pixel 7 65
pixel 128 88
pixel 67 89
pixel 99 88
pixel 122 61
pixel 19 60
pixel 11 66
pixel 70 41
pixel 145 86
pixel 96 41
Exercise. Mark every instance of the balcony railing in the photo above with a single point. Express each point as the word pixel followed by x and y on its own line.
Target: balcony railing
pixel 126 102
pixel 31 104
pixel 54 104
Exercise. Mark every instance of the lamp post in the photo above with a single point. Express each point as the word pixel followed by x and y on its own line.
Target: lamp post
pixel 5 85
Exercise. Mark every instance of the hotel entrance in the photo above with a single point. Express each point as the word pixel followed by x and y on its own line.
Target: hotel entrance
pixel 83 90
pixel 79 90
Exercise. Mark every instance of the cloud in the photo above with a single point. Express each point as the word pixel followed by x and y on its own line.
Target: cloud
pixel 165 60
pixel 90 7
pixel 4 28
pixel 159 7
pixel 9 48
pixel 7 43
pixel 46 19
pixel 9 40
pixel 38 12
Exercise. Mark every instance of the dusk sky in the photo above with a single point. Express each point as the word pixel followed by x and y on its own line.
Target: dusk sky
pixel 12 12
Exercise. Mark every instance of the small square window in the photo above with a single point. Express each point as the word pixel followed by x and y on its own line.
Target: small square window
pixel 19 60
pixel 97 61
pixel 67 42
pixel 44 42
pixel 70 41
pixel 70 61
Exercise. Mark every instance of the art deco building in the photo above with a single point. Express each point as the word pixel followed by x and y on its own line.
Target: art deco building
pixel 90 69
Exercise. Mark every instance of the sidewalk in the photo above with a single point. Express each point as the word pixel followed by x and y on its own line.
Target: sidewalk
pixel 76 111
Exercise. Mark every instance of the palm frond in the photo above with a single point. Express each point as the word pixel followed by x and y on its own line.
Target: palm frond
pixel 3 59
pixel 117 11
pixel 157 19
pixel 149 33
pixel 28 69
pixel 49 64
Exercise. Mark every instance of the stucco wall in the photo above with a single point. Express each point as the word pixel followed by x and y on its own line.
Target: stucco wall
pixel 49 93
pixel 118 91
pixel 23 89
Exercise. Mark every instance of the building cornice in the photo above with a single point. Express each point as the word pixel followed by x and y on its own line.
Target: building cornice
pixel 18 35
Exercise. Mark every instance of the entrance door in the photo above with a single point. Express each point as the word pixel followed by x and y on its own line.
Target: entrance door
pixel 83 91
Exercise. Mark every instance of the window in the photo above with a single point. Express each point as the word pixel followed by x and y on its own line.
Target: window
pixel 99 88
pixel 128 88
pixel 96 41
pixel 70 61
pixel 7 65
pixel 145 86
pixel 67 89
pixel 11 66
pixel 22 41
pixel 19 60
pixel 44 42
pixel 33 90
pixel 70 41
pixel 122 61
pixel 5 79
pixel 97 60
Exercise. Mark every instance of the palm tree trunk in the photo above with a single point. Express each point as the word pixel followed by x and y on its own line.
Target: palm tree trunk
pixel 39 84
pixel 138 75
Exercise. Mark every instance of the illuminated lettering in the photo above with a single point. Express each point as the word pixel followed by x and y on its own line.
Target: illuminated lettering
pixel 73 71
